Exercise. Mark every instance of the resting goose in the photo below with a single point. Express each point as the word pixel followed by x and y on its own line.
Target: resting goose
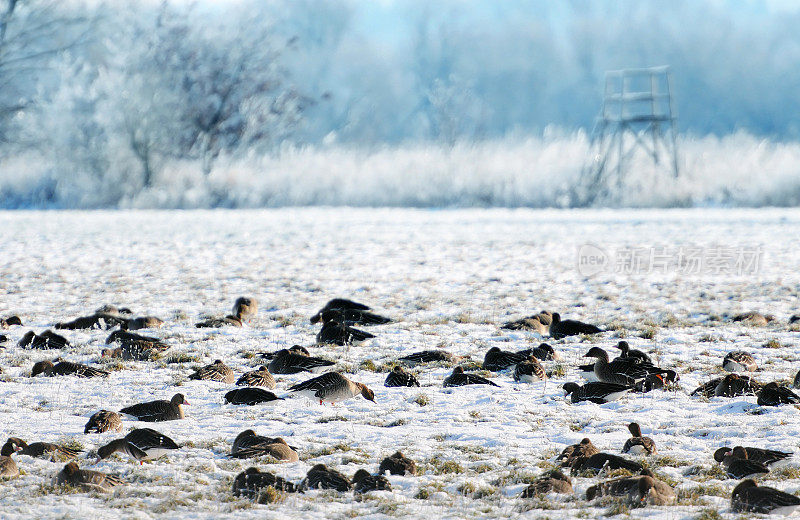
pixel 560 329
pixel 627 353
pixel 363 482
pixel 539 323
pixel 259 377
pixel 620 371
pixel 251 482
pixel 140 444
pixel 732 385
pixel 247 444
pixel 88 480
pixel 543 352
pixel 10 322
pixel 753 319
pixel 250 395
pixel 739 361
pixel 645 488
pixel 496 359
pixel 156 411
pixel 66 368
pixel 104 421
pixel 8 468
pixel 292 362
pixel 397 464
pixel 759 455
pixel 460 378
pixel 339 304
pixel 353 317
pixel 336 333
pixel 216 371
pixel 595 392
pixel 399 377
pixel 36 449
pixel 747 496
pixel 737 465
pixel 600 461
pixel 431 356
pixel 215 323
pixel 529 371
pixel 321 477
pixel 574 452
pixel 774 395
pixel 551 482
pixel 46 340
pixel 332 387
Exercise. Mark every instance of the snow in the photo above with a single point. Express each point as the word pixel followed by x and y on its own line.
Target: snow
pixel 449 279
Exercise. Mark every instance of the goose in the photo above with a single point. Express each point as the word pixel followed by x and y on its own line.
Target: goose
pixel 620 371
pixel 560 329
pixel 732 385
pixel 156 411
pixel 296 349
pixel 66 368
pixel 539 323
pixel 551 482
pixel 215 323
pixel 363 482
pixel 251 482
pixel 101 321
pixel 336 333
pixel 134 347
pixel 292 362
pixel 216 371
pixel 89 480
pixel 600 461
pixel 10 321
pixel 627 353
pixel 574 452
pixel 431 356
pixel 247 444
pixel 460 378
pixel 113 309
pixel 353 317
pixel 749 497
pixel 796 382
pixel 36 449
pixel 753 319
pixel 121 446
pixel 739 361
pixel 104 421
pixel 399 377
pixel 496 359
pixel 638 444
pixel 529 371
pixel 397 464
pixel 339 304
pixel 245 308
pixel 142 322
pixel 250 395
pixel 543 352
pixel 332 387
pixel 259 377
pixel 46 340
pixel 595 392
pixel 656 381
pixel 737 465
pixel 8 468
pixel 759 455
pixel 774 395
pixel 321 477
pixel 152 442
pixel 644 488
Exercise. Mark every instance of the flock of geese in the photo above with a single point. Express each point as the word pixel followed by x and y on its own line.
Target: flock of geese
pixel 606 379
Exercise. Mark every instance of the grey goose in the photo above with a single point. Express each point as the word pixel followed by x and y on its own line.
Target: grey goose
pixel 36 449
pixel 250 395
pixel 288 361
pixel 595 392
pixel 339 304
pixel 739 361
pixel 66 368
pixel 639 444
pixel 760 455
pixel 561 328
pixel 551 482
pixel 539 323
pixel 247 445
pixel 216 323
pixel 773 395
pixel 104 421
pixel 738 466
pixel 496 359
pixel 322 477
pixel 252 483
pixel 460 378
pixel 88 480
pixel 259 377
pixel 574 452
pixel 10 321
pixel 431 356
pixel 529 371
pixel 336 333
pixel 46 340
pixel 332 387
pixel 399 377
pixel 353 317
pixel 156 411
pixel 627 353
pixel 753 319
pixel 140 444
pixel 363 482
pixel 604 461
pixel 216 371
pixel 644 488
pixel 747 496
pixel 245 308
pixel 8 468
pixel 732 385
pixel 397 464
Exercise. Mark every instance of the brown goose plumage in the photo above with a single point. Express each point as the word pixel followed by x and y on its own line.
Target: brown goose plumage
pixel 245 308
pixel 637 444
pixel 104 421
pixel 574 452
pixel 216 371
pixel 260 377
pixel 88 480
pixel 157 411
pixel 397 464
pixel 551 482
pixel 247 444
pixel 36 449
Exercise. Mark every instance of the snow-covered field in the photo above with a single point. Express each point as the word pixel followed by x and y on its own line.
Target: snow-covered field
pixel 448 279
